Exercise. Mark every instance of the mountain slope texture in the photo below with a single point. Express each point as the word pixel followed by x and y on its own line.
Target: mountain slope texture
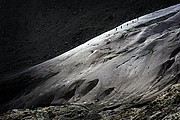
pixel 129 72
pixel 33 31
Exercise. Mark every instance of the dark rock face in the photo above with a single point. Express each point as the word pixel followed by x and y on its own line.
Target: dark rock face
pixel 33 31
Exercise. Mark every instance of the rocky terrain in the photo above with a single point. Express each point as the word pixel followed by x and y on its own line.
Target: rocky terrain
pixel 164 107
pixel 129 72
pixel 65 112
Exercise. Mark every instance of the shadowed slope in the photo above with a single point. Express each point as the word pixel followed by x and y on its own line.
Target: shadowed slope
pixel 33 31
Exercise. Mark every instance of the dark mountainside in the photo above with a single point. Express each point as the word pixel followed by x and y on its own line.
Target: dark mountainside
pixel 128 73
pixel 131 72
pixel 33 31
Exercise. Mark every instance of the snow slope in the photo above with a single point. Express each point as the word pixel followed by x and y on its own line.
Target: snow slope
pixel 128 65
